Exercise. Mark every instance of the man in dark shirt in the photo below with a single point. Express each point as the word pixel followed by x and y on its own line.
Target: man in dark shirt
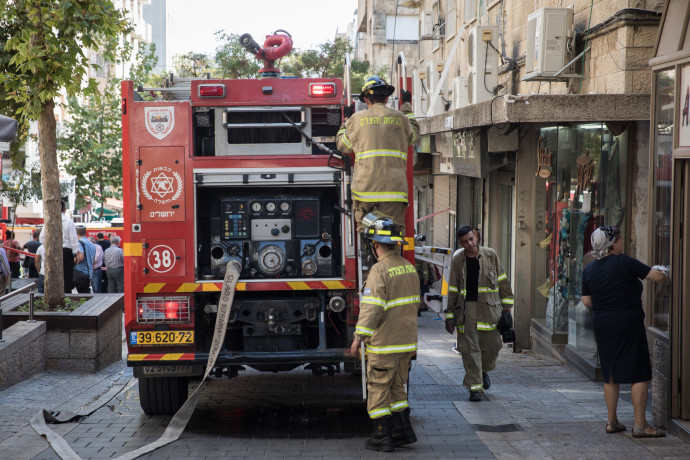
pixel 31 246
pixel 105 244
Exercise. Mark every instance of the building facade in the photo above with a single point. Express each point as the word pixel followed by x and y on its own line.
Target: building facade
pixel 669 235
pixel 535 119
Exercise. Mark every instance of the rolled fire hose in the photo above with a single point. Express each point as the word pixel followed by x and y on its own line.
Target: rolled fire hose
pixel 181 418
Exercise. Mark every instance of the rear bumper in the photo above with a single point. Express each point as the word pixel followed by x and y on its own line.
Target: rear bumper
pixel 330 355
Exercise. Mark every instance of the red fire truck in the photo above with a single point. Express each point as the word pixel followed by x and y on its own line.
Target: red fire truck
pixel 244 170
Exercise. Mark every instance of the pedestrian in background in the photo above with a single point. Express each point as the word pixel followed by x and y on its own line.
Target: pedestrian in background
pixel 83 270
pixel 13 257
pixel 387 325
pixel 104 244
pixel 5 272
pixel 41 266
pixel 611 286
pixel 70 248
pixel 30 270
pixel 114 260
pixel 478 293
pixel 97 276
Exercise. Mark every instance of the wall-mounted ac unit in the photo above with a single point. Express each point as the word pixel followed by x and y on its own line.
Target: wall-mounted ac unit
pixel 482 61
pixel 460 98
pixel 419 95
pixel 433 76
pixel 549 33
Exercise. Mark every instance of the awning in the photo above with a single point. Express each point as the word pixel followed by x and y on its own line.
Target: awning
pixel 8 129
pixel 107 213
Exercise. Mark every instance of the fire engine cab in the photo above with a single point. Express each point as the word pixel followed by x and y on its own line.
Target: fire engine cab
pixel 236 170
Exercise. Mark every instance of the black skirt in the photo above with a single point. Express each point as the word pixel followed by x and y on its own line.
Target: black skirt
pixel 622 343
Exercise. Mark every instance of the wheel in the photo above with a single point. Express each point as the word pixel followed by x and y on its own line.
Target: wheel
pixel 162 395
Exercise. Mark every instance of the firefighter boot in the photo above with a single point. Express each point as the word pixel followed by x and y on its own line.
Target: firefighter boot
pixel 402 428
pixel 382 439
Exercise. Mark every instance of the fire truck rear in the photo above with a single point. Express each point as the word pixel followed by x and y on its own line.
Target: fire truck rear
pixel 243 170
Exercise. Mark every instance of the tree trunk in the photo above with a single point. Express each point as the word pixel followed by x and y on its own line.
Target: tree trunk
pixel 50 183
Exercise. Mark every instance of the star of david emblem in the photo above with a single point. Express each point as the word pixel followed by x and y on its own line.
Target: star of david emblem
pixel 162 185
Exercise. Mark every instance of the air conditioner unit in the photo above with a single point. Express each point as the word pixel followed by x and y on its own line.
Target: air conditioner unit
pixel 427 24
pixel 433 76
pixel 418 94
pixel 460 99
pixel 549 34
pixel 482 61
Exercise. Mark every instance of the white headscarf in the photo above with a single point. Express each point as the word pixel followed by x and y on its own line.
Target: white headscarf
pixel 602 239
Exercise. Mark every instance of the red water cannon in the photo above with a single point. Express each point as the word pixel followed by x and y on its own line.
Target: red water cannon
pixel 275 47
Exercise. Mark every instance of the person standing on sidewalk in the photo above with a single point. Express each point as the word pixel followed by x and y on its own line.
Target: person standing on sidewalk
pixel 379 138
pixel 611 286
pixel 114 261
pixel 30 270
pixel 387 326
pixel 70 247
pixel 97 277
pixel 83 269
pixel 478 293
pixel 14 258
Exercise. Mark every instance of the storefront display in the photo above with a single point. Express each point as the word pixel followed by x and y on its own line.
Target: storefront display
pixel 586 188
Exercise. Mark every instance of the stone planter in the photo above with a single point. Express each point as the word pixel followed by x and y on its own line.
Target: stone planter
pixel 86 339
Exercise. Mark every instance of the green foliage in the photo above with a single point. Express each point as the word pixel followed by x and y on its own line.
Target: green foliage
pixel 68 304
pixel 43 48
pixel 192 64
pixel 21 187
pixel 232 60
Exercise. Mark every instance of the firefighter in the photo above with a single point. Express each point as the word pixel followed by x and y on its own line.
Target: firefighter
pixel 379 138
pixel 478 293
pixel 387 326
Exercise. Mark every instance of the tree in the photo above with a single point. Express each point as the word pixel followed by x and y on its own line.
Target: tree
pixel 42 54
pixel 91 146
pixel 192 64
pixel 232 60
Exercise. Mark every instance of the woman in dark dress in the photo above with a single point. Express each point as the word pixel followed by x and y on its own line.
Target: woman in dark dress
pixel 611 286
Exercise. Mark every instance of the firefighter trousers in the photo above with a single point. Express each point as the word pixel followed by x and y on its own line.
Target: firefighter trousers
pixel 479 349
pixel 393 209
pixel 386 379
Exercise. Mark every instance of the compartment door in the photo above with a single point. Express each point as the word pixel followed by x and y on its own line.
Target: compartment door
pixel 160 184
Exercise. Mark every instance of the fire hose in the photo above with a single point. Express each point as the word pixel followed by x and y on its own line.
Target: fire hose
pixel 179 421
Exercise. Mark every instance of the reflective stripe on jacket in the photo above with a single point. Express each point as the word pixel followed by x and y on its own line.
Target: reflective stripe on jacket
pixel 379 138
pixel 493 291
pixel 387 320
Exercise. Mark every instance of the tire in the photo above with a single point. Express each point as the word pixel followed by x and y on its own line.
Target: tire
pixel 162 395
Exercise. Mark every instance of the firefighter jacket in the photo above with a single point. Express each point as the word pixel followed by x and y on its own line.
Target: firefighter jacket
pixel 493 293
pixel 379 138
pixel 388 310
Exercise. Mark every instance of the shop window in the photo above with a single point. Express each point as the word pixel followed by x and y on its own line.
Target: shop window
pixel 663 153
pixel 582 185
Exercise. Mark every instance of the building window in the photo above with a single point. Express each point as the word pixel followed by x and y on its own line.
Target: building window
pixel 470 10
pixel 450 19
pixel 401 29
pixel 582 187
pixel 439 26
pixel 97 65
pixel 664 92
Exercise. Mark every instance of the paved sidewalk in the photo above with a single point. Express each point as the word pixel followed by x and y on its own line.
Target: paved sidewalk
pixel 536 408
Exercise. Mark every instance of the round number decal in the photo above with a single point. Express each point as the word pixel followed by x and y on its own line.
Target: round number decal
pixel 161 258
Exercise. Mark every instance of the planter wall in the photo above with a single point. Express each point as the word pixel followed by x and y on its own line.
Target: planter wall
pixel 86 339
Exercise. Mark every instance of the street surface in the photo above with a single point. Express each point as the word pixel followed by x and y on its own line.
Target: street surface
pixel 536 408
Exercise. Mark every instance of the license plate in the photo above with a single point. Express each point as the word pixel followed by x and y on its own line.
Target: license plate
pixel 161 338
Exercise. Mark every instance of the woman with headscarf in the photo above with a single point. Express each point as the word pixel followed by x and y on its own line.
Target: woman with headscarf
pixel 611 286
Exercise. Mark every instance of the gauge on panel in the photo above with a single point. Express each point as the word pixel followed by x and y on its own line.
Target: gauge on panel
pixel 270 206
pixel 256 206
pixel 284 206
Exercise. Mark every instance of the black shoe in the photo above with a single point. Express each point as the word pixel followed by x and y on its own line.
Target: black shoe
pixel 475 396
pixel 403 433
pixel 382 439
pixel 486 380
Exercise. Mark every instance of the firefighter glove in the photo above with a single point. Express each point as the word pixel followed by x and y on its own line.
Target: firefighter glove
pixel 405 96
pixel 348 110
pixel 450 326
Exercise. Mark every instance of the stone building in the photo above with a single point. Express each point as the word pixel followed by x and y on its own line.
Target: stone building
pixel 535 122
